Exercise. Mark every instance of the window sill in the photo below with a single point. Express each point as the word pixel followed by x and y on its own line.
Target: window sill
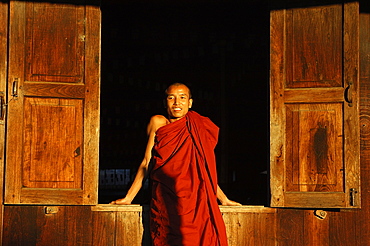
pixel 140 208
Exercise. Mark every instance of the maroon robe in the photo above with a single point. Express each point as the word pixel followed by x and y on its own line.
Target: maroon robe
pixel 184 207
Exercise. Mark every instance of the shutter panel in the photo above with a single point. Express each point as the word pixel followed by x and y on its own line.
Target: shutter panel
pixel 314 122
pixel 53 111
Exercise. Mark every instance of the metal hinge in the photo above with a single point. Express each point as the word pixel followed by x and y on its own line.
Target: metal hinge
pixel 353 196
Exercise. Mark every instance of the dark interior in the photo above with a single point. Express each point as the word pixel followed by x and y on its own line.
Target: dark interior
pixel 221 50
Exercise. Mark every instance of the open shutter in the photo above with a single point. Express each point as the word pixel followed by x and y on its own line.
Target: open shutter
pixel 53 103
pixel 314 107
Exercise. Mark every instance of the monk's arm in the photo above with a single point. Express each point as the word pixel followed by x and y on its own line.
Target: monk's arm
pixel 135 187
pixel 224 200
pixel 153 125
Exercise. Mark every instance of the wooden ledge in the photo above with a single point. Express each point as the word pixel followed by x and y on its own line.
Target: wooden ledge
pixel 140 208
pixel 118 208
pixel 247 209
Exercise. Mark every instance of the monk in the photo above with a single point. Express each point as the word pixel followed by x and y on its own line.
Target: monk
pixel 184 208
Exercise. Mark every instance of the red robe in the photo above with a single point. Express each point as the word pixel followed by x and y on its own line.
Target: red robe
pixel 184 207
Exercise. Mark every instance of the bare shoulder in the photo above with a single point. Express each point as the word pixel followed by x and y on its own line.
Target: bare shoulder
pixel 156 122
pixel 159 120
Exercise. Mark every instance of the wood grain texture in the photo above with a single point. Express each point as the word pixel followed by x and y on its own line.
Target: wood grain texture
pixel 3 84
pixel 250 228
pixel 301 227
pixel 15 115
pixel 54 90
pixel 53 133
pixel 104 228
pixel 314 147
pixel 129 228
pixel 316 228
pixel 314 143
pixel 85 225
pixel 55 42
pixel 277 146
pixel 314 47
pixel 14 221
pixel 351 117
pixel 121 225
pixel 356 224
pixel 365 116
pixel 290 229
pixel 92 104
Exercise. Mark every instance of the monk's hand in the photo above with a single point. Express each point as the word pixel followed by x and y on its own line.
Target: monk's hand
pixel 228 202
pixel 122 201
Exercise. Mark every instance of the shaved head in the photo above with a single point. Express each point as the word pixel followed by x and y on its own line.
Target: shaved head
pixel 176 85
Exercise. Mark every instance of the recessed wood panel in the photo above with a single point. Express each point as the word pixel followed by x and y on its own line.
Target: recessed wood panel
pixel 314 47
pixel 53 143
pixel 314 147
pixel 55 42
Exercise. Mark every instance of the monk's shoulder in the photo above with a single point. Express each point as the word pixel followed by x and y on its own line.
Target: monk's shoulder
pixel 157 121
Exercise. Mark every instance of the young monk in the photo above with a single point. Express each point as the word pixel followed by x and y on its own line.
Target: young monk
pixel 184 208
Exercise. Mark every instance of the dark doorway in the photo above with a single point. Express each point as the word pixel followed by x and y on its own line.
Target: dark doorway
pixel 221 50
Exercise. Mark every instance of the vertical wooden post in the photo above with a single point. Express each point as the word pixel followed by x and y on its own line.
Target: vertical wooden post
pixel 3 79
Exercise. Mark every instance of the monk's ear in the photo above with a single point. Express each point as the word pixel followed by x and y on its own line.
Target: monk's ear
pixel 190 102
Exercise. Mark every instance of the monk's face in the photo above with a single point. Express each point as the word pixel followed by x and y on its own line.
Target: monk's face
pixel 178 102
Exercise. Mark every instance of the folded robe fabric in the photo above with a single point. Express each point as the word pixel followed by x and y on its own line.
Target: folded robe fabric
pixel 184 208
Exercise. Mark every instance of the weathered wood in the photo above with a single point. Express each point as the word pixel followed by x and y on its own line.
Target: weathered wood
pixel 250 225
pixel 3 77
pixel 277 146
pixel 132 223
pixel 98 225
pixel 346 227
pixel 289 222
pixel 15 103
pixel 313 47
pixel 120 225
pixel 351 110
pixel 117 208
pixel 246 225
pixel 92 103
pixel 252 228
pixel 314 137
pixel 54 42
pixel 318 229
pixel 314 200
pixel 14 221
pixel 50 195
pixel 129 229
pixel 53 128
pixel 50 123
pixel 67 225
pixel 54 90
pixel 320 94
pixel 104 228
pixel 343 227
pixel 311 168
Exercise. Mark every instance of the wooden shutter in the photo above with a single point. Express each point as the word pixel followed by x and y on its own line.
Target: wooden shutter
pixel 314 108
pixel 53 103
